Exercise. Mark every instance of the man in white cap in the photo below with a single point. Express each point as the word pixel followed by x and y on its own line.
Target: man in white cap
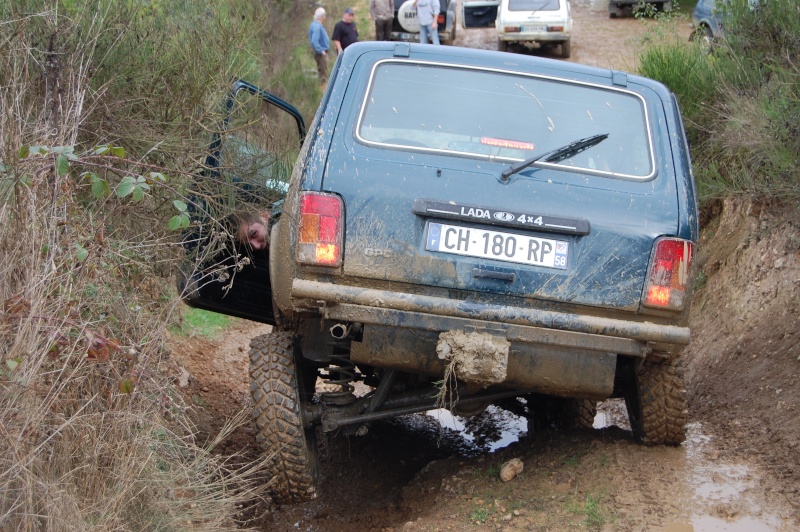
pixel 320 43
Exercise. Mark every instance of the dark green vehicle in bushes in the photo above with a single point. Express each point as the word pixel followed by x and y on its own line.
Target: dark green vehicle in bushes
pixel 463 228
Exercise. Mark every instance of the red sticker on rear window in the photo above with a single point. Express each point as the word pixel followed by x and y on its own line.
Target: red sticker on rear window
pixel 503 143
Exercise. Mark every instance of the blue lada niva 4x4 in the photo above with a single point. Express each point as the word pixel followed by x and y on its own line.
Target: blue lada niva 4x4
pixel 467 227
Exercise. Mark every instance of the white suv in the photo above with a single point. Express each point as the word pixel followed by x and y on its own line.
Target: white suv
pixel 534 22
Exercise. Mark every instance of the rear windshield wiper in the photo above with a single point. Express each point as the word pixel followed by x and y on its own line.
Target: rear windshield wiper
pixel 555 156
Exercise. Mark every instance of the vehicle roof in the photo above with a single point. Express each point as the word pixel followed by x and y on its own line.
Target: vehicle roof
pixel 497 60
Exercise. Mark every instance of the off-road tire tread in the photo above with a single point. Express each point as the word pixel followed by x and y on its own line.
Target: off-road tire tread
pixel 581 413
pixel 276 411
pixel 662 394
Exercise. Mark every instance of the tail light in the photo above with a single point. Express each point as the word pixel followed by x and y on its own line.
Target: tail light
pixel 320 229
pixel 669 275
pixel 440 20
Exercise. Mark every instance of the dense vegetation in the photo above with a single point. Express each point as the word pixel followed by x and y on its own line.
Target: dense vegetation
pixel 741 100
pixel 106 111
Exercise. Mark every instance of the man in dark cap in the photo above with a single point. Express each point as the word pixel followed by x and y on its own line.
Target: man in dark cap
pixel 345 32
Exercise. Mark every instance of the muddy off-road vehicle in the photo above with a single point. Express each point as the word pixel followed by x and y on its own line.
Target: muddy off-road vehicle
pixel 462 228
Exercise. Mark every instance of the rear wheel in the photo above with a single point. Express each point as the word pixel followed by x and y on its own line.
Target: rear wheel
pixel 278 391
pixel 566 49
pixel 655 395
pixel 580 413
pixel 502 46
pixel 704 37
pixel 549 412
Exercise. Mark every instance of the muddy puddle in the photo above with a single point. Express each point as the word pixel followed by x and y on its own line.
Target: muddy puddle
pixel 720 495
pixel 494 429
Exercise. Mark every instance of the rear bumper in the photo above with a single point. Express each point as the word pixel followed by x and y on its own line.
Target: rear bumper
pixel 537 37
pixel 547 352
pixel 433 313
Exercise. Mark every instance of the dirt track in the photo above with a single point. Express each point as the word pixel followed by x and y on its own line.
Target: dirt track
pixel 737 471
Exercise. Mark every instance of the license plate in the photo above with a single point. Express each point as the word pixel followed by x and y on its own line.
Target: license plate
pixel 537 29
pixel 498 245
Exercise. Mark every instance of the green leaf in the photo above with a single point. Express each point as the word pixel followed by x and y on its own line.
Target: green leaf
pixel 26 180
pixel 126 186
pixel 66 151
pixel 158 176
pixel 175 222
pixel 62 165
pixel 100 186
pixel 12 364
pixel 138 193
pixel 81 252
pixel 117 151
pixel 181 206
pixel 179 221
pixel 24 152
pixel 100 150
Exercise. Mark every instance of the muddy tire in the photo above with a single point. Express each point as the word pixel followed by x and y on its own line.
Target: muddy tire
pixel 277 394
pixel 549 412
pixel 655 395
pixel 579 413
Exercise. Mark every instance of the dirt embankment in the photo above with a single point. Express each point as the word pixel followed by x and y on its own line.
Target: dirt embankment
pixel 737 471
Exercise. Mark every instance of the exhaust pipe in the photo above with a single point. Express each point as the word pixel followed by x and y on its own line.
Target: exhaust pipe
pixel 340 331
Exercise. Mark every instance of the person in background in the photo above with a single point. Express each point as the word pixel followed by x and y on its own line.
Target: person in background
pixel 382 12
pixel 427 16
pixel 345 32
pixel 320 43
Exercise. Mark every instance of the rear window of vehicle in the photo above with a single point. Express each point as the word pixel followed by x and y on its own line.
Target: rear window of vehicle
pixel 504 116
pixel 533 5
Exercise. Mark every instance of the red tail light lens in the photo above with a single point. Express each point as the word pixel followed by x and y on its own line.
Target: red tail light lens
pixel 440 20
pixel 320 229
pixel 670 272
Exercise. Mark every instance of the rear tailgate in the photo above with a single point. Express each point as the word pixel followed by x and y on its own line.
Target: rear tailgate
pixel 425 204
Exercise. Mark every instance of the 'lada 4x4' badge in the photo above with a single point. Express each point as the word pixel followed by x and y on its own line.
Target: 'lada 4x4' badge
pixel 505 218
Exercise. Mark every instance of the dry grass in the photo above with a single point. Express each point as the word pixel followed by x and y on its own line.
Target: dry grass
pixel 94 435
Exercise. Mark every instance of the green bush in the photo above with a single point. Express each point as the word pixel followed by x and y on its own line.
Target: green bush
pixel 741 102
